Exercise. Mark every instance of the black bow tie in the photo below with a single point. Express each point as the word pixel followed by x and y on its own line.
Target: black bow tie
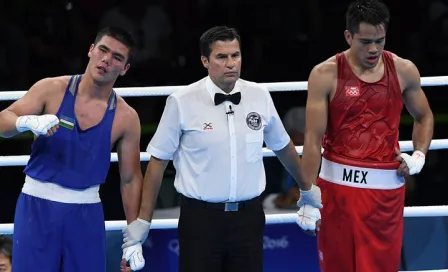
pixel 234 98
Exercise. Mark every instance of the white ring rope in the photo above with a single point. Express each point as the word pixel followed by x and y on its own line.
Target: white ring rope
pixel 281 218
pixel 167 90
pixel 405 146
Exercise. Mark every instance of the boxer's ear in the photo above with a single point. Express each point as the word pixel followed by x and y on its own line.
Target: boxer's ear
pixel 90 50
pixel 126 68
pixel 348 37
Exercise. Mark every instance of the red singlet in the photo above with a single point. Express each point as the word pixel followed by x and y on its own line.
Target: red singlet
pixel 363 198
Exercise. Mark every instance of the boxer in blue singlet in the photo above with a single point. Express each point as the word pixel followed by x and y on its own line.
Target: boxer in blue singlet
pixel 59 222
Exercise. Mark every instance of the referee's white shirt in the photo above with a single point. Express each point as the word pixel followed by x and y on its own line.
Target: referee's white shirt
pixel 218 156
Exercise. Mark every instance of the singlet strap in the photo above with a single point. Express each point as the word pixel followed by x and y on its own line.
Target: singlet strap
pixel 112 101
pixel 73 84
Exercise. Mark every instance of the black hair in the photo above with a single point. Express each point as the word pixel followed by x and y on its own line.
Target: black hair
pixel 6 246
pixel 214 34
pixel 120 35
pixel 372 12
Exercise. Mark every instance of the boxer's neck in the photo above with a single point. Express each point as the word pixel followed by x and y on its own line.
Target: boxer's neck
pixel 88 87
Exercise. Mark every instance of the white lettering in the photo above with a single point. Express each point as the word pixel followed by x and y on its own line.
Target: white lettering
pixel 272 243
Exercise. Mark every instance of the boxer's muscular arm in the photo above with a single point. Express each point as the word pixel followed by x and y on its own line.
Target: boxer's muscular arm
pixel 32 103
pixel 417 105
pixel 320 83
pixel 128 151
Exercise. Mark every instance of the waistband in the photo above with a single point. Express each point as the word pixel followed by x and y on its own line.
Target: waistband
pixel 382 165
pixel 360 177
pixel 55 192
pixel 222 206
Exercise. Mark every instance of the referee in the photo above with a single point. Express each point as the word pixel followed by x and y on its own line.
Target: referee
pixel 214 131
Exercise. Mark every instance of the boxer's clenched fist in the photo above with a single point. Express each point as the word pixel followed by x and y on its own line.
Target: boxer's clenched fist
pixel 39 124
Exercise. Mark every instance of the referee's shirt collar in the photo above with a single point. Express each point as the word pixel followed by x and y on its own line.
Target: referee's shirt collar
pixel 212 88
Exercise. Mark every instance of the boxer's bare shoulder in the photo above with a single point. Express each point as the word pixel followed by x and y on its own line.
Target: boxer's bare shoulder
pixel 402 64
pixel 328 67
pixel 407 72
pixel 43 97
pixel 50 86
pixel 323 77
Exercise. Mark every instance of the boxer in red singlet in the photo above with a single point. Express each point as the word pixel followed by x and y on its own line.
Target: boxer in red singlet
pixel 353 111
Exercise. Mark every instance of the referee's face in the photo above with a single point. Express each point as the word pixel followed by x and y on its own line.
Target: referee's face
pixel 224 64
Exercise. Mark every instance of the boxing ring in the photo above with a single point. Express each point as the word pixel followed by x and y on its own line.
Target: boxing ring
pixel 272 219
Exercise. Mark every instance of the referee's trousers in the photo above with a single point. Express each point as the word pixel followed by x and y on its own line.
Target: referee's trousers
pixel 214 240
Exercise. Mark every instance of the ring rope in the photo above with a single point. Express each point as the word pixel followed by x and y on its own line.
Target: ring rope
pixel 405 146
pixel 167 90
pixel 281 218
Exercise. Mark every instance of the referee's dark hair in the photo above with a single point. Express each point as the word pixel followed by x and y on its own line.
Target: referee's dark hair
pixel 6 246
pixel 214 34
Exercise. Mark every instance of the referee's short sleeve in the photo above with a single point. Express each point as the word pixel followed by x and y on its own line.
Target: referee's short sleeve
pixel 275 135
pixel 166 139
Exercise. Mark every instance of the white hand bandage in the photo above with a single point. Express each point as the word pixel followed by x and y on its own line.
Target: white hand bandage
pixel 136 232
pixel 309 204
pixel 307 217
pixel 415 162
pixel 312 197
pixel 39 125
pixel 134 255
